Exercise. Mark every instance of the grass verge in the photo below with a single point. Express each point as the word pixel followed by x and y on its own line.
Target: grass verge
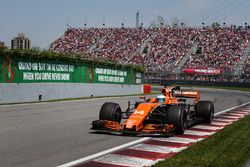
pixel 229 147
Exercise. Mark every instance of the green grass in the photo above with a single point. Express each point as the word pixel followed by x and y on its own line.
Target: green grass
pixel 228 148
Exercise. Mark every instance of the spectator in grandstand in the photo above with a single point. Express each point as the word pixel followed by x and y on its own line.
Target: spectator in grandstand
pixel 120 44
pixel 222 49
pixel 166 48
pixel 78 40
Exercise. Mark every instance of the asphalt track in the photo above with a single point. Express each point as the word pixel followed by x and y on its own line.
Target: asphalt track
pixel 51 134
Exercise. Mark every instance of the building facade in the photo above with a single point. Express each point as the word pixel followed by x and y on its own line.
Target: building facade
pixel 21 42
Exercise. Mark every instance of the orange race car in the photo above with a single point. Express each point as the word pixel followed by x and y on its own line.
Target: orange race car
pixel 170 112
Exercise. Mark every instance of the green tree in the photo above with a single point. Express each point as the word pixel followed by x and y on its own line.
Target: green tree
pixel 215 25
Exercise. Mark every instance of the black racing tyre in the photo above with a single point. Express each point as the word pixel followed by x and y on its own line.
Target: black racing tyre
pixel 111 112
pixel 176 115
pixel 205 110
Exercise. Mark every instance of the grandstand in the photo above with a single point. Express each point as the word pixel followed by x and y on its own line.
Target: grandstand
pixel 246 72
pixel 78 40
pixel 166 49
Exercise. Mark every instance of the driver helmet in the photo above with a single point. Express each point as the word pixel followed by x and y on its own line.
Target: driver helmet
pixel 161 98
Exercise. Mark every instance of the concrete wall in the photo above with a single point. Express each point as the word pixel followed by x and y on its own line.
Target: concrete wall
pixel 14 93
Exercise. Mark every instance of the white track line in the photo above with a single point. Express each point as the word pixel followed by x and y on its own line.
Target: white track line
pixel 218 113
pixel 79 161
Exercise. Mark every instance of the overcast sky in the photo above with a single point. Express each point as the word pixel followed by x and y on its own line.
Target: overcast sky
pixel 45 20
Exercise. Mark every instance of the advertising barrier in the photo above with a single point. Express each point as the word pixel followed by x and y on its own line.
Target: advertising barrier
pixel 25 79
pixel 14 70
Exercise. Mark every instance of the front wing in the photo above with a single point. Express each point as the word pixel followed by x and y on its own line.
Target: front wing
pixel 112 126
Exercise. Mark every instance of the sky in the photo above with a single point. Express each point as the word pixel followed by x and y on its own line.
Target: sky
pixel 43 21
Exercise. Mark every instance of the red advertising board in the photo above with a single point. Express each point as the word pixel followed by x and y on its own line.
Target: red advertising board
pixel 202 71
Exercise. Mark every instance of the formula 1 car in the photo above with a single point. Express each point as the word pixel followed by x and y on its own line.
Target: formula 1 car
pixel 168 113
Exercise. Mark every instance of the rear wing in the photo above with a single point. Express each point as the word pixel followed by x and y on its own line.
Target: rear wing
pixel 177 92
pixel 188 94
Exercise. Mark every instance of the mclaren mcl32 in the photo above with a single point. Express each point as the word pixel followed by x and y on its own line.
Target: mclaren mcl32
pixel 172 111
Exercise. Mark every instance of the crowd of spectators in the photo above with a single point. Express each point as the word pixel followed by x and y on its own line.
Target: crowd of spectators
pixel 166 48
pixel 221 48
pixel 163 48
pixel 119 44
pixel 78 40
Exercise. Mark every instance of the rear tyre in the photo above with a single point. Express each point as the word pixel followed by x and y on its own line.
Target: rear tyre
pixel 205 110
pixel 111 112
pixel 176 115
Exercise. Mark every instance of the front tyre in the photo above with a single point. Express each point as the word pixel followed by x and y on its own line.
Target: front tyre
pixel 111 111
pixel 176 115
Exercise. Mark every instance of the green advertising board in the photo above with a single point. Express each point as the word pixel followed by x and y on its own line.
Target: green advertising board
pixel 20 70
